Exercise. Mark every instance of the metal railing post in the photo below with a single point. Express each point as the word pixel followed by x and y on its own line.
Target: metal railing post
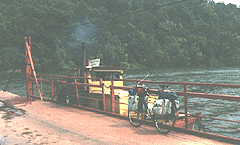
pixel 76 88
pixel 52 92
pixel 112 95
pixel 186 106
pixel 40 80
pixel 68 90
pixel 103 95
pixel 85 80
pixel 57 80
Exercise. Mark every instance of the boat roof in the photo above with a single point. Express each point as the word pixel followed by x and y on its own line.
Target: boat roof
pixel 107 70
pixel 104 68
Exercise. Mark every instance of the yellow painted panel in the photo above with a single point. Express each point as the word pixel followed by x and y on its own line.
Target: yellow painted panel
pixel 107 85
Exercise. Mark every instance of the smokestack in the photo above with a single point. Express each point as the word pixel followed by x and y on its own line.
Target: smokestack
pixel 84 54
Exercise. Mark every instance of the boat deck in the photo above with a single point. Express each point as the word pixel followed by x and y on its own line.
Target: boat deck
pixel 43 122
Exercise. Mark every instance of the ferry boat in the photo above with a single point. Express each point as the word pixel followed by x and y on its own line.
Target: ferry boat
pixel 111 96
pixel 99 93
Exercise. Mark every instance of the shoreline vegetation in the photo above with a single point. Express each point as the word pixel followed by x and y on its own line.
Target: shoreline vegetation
pixel 194 33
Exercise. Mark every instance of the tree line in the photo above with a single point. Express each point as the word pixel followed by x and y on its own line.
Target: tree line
pixel 193 33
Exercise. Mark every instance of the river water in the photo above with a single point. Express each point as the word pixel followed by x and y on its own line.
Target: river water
pixel 208 107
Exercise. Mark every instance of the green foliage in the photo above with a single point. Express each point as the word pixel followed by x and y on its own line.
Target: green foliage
pixel 194 33
pixel 44 21
pixel 9 55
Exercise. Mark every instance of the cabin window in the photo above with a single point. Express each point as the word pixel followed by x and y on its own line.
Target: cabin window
pixel 107 75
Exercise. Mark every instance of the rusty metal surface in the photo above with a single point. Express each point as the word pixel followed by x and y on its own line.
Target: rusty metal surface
pixel 181 93
pixel 209 96
pixel 61 124
pixel 183 83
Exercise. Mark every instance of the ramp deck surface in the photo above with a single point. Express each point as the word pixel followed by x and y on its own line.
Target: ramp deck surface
pixel 44 122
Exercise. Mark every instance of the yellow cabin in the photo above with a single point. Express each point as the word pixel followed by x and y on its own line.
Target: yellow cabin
pixel 106 73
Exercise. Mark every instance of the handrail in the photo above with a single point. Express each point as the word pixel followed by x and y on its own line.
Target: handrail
pixel 184 93
pixel 182 83
pixel 43 80
pixel 187 94
pixel 76 84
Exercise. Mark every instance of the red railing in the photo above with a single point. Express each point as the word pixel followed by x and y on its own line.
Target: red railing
pixel 75 83
pixel 79 88
pixel 184 93
pixel 187 94
pixel 41 79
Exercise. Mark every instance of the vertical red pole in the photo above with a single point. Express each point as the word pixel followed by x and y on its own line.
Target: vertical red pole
pixel 112 94
pixel 40 83
pixel 52 92
pixel 29 84
pixel 85 80
pixel 75 82
pixel 68 90
pixel 103 94
pixel 29 57
pixel 186 107
pixel 30 46
pixel 57 85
